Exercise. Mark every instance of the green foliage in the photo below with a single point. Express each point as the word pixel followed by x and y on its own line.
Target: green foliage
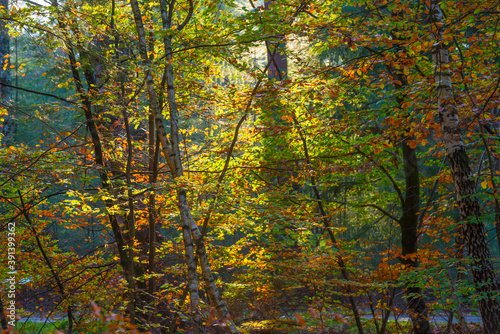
pixel 300 182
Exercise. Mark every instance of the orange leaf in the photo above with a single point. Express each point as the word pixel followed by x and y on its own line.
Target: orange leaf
pixel 300 320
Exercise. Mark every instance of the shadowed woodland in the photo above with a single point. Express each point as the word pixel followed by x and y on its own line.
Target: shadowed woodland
pixel 239 166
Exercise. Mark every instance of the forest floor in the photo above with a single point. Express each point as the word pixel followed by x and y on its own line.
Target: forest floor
pixel 436 319
pixel 400 324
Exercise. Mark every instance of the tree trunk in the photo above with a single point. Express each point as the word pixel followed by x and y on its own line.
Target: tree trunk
pixel 8 125
pixel 3 319
pixel 276 57
pixel 463 177
pixel 408 223
pixel 328 227
pixel 126 261
pixel 460 315
pixel 169 156
pixel 48 262
pixel 186 217
pixel 410 207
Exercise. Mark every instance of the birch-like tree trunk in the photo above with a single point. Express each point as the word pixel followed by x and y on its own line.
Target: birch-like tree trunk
pixel 473 231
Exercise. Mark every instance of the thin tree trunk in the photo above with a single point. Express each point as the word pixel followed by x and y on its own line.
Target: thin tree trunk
pixel 169 156
pixel 494 162
pixel 153 172
pixel 464 329
pixel 328 227
pixel 408 223
pixel 130 216
pixel 410 204
pixel 474 233
pixel 55 275
pixel 98 153
pixel 372 309
pixel 385 317
pixel 186 217
pixel 173 157
pixel 276 57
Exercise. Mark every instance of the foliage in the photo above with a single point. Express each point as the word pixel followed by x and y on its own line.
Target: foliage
pixel 296 185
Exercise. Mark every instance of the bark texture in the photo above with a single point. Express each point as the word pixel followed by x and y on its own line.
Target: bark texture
pixel 410 206
pixel 169 156
pixel 485 279
pixel 3 319
pixel 409 239
pixel 276 56
pixel 192 236
pixel 126 261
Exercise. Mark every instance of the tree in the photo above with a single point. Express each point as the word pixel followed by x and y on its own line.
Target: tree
pixel 7 121
pixel 210 167
pixel 465 186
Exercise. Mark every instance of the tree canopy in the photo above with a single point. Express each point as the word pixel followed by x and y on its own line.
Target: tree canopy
pixel 238 166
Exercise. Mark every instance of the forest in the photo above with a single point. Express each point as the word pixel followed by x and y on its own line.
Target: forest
pixel 249 166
